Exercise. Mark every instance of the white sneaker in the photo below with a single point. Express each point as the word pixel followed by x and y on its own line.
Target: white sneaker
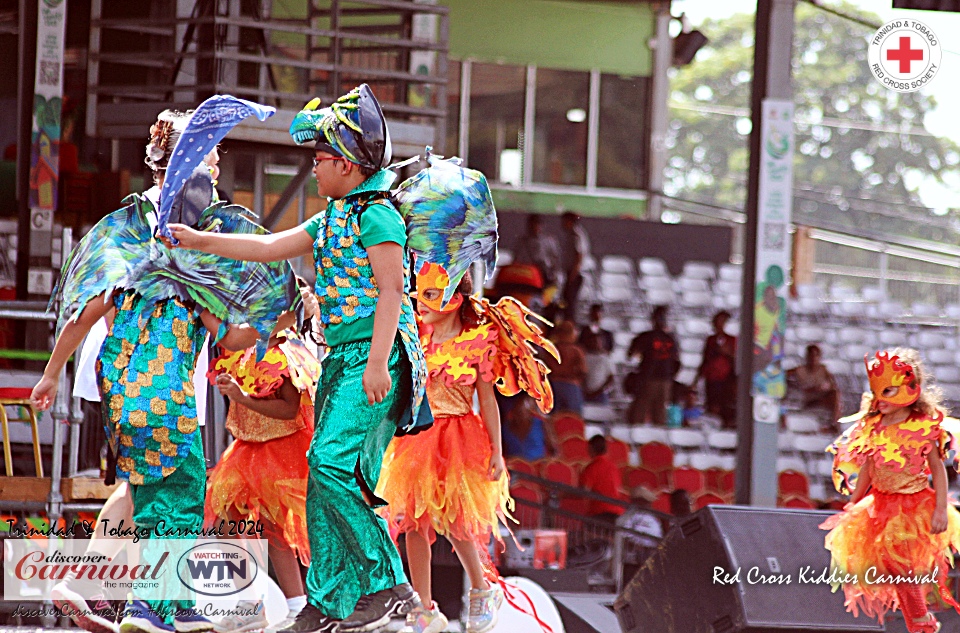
pixel 484 604
pixel 255 620
pixel 422 620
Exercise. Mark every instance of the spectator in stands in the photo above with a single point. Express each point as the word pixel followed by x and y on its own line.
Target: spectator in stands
pixel 600 370
pixel 566 376
pixel 680 504
pixel 820 394
pixel 601 476
pixel 717 371
pixel 653 379
pixel 605 336
pixel 523 282
pixel 526 434
pixel 574 249
pixel 635 548
pixel 540 250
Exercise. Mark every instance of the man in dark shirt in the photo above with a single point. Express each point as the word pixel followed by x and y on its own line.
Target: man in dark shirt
pixel 659 363
pixel 605 336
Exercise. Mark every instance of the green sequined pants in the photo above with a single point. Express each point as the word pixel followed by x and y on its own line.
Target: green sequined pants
pixel 350 547
pixel 177 501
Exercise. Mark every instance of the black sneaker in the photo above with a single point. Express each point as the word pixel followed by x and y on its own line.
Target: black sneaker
pixel 311 620
pixel 376 609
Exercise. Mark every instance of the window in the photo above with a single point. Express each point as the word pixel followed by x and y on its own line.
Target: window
pixel 622 150
pixel 560 139
pixel 497 95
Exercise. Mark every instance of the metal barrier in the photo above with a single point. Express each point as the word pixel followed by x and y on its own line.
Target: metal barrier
pixel 583 529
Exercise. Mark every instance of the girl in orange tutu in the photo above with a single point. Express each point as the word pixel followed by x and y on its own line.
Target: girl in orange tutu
pixel 892 543
pixel 262 476
pixel 451 479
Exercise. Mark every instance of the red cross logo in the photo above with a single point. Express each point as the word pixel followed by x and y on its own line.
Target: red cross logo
pixel 905 55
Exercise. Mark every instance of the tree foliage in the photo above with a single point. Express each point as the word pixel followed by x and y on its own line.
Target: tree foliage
pixel 862 149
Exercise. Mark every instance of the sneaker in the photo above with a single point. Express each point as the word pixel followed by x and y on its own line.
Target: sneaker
pixel 191 621
pixel 484 604
pixel 66 598
pixel 310 620
pixel 252 617
pixel 376 609
pixel 422 620
pixel 140 618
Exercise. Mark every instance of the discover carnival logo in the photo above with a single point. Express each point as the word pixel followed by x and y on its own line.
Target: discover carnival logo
pixel 904 55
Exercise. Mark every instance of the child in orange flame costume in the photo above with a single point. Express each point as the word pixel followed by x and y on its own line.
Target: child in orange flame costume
pixel 451 479
pixel 262 476
pixel 896 533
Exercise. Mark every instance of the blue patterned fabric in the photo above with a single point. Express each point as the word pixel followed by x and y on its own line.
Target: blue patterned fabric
pixel 208 125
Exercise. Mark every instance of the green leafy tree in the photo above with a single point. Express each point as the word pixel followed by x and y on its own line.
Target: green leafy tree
pixel 862 149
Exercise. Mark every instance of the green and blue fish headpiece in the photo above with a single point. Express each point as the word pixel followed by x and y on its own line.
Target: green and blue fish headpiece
pixel 353 127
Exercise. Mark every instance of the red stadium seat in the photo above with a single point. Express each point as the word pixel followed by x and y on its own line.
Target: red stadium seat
pixel 656 456
pixel 797 501
pixel 662 503
pixel 634 476
pixel 619 452
pixel 689 479
pixel 527 514
pixel 558 471
pixel 792 482
pixel 575 449
pixel 567 424
pixel 707 499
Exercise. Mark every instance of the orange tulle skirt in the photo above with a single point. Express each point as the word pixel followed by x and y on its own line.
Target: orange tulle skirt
pixel 267 482
pixel 888 535
pixel 437 482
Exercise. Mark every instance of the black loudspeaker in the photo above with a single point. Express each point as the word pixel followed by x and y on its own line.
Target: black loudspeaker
pixel 729 569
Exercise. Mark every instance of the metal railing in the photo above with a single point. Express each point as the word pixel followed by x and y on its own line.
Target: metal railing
pixel 399 47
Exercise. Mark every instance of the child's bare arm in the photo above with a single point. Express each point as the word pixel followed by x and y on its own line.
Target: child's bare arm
pixel 67 343
pixel 490 413
pixel 864 479
pixel 246 247
pixel 938 522
pixel 237 337
pixel 282 405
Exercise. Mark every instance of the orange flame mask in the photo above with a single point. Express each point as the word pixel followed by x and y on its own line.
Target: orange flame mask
pixel 434 277
pixel 885 371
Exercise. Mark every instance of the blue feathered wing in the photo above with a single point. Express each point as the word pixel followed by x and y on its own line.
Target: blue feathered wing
pixel 450 218
pixel 120 253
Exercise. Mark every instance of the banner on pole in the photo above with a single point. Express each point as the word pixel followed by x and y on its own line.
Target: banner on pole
pixel 773 248
pixel 47 104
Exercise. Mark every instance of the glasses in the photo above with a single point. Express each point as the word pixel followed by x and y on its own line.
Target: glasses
pixel 317 161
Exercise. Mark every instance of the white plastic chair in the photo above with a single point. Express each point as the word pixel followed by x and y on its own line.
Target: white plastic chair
pixel 621 432
pixel 653 266
pixel 815 444
pixel 798 422
pixel 655 282
pixel 685 438
pixel 644 434
pixel 690 359
pixel 660 297
pixel 617 264
pixel 703 461
pixel 722 440
pixel 791 463
pixel 940 356
pixel 730 272
pixel 699 270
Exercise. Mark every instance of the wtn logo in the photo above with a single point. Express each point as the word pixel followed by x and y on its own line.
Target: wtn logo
pixel 225 569
pixel 219 569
